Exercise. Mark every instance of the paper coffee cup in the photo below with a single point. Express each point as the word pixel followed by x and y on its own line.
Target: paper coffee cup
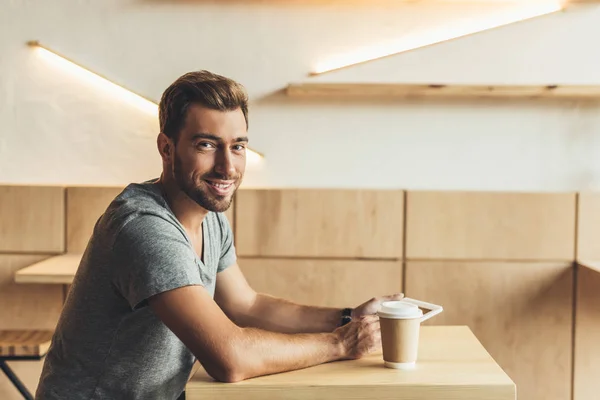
pixel 400 325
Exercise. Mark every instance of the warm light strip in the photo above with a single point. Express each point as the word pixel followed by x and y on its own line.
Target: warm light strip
pixel 105 84
pixel 95 79
pixel 422 39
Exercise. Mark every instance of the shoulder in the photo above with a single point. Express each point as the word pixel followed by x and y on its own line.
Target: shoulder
pixel 138 210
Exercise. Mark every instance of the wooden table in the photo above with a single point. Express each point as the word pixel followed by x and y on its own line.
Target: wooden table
pixel 58 269
pixel 452 365
pixel 54 270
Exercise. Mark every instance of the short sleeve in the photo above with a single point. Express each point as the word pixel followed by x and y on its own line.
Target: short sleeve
pixel 228 256
pixel 151 256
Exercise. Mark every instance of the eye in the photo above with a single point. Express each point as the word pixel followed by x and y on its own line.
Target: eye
pixel 205 145
pixel 239 147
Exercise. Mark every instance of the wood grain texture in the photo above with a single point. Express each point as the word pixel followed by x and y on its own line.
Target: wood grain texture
pixel 25 342
pixel 406 90
pixel 334 283
pixel 84 206
pixel 26 307
pixel 54 270
pixel 320 223
pixel 588 226
pixel 452 365
pixel 587 333
pixel 33 219
pixel 490 226
pixel 521 312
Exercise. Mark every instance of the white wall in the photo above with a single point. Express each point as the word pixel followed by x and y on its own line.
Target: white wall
pixel 58 129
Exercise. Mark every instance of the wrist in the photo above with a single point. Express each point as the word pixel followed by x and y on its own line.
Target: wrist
pixel 346 316
pixel 337 346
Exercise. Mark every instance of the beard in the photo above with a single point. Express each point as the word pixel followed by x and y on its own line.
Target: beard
pixel 195 189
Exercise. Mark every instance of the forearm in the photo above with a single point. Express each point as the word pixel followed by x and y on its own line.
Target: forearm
pixel 258 352
pixel 280 315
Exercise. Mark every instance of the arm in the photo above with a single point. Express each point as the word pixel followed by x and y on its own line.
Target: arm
pixel 154 267
pixel 248 308
pixel 230 353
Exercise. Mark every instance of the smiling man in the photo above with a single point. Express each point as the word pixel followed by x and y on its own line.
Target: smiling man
pixel 159 286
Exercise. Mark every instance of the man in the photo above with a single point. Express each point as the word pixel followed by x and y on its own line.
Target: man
pixel 158 286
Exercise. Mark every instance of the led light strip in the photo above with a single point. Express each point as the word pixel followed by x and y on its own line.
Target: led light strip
pixel 106 84
pixel 523 12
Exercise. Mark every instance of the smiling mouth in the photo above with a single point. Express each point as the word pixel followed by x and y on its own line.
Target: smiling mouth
pixel 220 187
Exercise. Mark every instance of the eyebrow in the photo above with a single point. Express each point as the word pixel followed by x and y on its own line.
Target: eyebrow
pixel 216 138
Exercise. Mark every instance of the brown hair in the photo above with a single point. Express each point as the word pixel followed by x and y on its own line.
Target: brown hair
pixel 202 87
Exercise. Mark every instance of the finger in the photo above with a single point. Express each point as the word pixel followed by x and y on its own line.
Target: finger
pixel 395 296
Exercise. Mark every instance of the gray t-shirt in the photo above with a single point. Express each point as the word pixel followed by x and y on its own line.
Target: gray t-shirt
pixel 108 343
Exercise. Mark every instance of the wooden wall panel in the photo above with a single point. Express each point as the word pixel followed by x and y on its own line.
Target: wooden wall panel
pixel 84 206
pixel 25 306
pixel 490 226
pixel 32 219
pixel 587 334
pixel 588 225
pixel 521 312
pixel 334 283
pixel 320 223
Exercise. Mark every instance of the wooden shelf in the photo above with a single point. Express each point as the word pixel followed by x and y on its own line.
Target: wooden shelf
pixel 401 90
pixel 60 270
pixel 592 265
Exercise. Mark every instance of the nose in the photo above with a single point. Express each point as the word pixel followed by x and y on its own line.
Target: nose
pixel 224 163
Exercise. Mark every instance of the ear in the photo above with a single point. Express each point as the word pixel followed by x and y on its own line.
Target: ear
pixel 166 147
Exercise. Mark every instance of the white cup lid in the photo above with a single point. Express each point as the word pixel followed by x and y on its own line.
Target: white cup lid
pixel 399 310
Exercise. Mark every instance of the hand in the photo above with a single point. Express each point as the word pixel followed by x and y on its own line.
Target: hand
pixel 359 337
pixel 372 306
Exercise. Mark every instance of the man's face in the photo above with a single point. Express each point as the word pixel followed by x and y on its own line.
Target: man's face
pixel 210 156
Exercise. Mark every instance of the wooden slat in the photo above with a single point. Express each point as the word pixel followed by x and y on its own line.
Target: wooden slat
pixel 320 223
pixel 521 312
pixel 55 270
pixel 24 342
pixel 490 226
pixel 587 332
pixel 404 90
pixel 335 283
pixel 26 307
pixel 84 206
pixel 588 225
pixel 32 219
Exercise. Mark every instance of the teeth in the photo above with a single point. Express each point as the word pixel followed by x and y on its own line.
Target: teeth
pixel 221 185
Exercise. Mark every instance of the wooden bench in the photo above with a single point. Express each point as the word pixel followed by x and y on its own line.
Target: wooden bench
pixel 22 345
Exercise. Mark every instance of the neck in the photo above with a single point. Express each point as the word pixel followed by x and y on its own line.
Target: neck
pixel 187 211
